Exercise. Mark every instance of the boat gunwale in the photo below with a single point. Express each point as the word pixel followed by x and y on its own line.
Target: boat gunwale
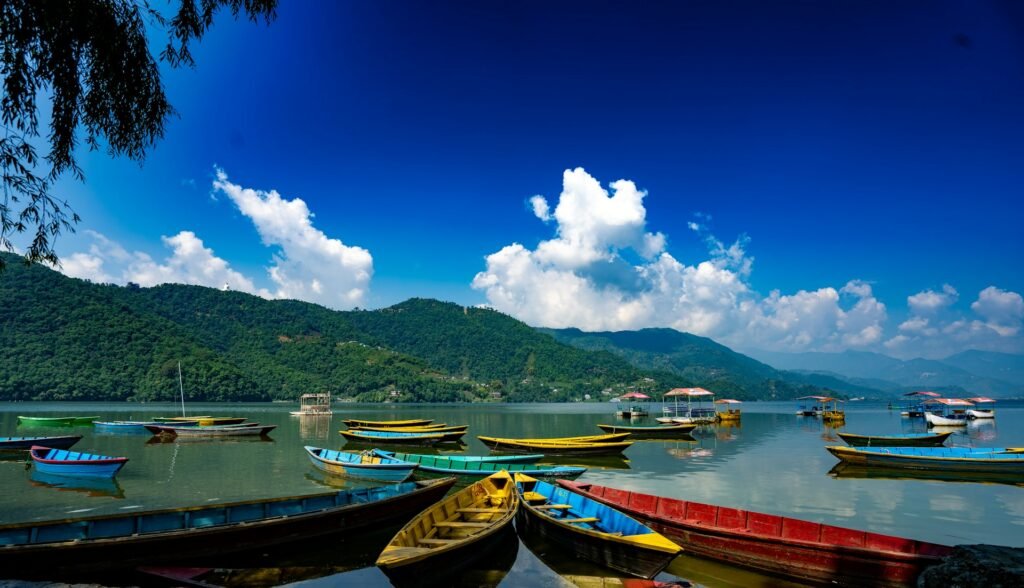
pixel 980 460
pixel 105 459
pixel 398 465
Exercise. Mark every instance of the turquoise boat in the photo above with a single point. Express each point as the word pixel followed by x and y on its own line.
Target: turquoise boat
pixel 375 437
pixel 71 463
pixel 56 421
pixel 126 427
pixel 361 466
pixel 954 459
pixel 451 466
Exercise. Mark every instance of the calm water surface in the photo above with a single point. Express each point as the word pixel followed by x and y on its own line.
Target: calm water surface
pixel 774 462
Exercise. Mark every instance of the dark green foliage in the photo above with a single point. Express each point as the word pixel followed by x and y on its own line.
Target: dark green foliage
pixel 91 58
pixel 67 339
pixel 698 359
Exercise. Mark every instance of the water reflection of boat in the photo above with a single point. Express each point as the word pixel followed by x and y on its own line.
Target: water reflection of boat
pixel 689 452
pixel 95 487
pixel 161 439
pixel 608 462
pixel 852 471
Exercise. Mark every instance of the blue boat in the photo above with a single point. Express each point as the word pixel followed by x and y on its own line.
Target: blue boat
pixel 71 463
pixel 957 459
pixel 374 437
pixel 360 466
pixel 591 530
pixel 128 427
pixel 453 466
pixel 26 443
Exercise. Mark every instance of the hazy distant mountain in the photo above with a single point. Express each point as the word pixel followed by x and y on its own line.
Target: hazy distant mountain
pixel 990 364
pixel 877 369
pixel 706 363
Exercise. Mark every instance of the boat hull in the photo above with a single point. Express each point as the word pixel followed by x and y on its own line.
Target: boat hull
pixel 405 423
pixel 658 432
pixel 570 449
pixel 77 555
pixel 776 545
pixel 941 421
pixel 373 438
pixel 60 462
pixel 445 466
pixel 55 421
pixel 391 470
pixel 223 431
pixel 923 440
pixel 26 443
pixel 999 461
pixel 982 413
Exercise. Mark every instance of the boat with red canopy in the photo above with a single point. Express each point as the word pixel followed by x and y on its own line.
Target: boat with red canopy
pixel 793 548
pixel 915 407
pixel 946 412
pixel 980 412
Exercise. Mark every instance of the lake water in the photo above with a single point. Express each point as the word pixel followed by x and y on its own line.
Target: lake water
pixel 773 462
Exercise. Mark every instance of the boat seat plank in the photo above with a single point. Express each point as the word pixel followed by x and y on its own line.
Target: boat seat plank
pixel 461 524
pixel 480 510
pixel 554 506
pixel 531 496
pixel 437 541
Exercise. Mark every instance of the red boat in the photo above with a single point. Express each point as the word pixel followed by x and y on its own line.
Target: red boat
pixel 797 549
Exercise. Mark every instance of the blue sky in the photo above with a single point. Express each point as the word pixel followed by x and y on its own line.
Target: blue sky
pixel 847 156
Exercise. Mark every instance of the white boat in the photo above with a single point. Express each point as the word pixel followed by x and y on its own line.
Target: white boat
pixel 314 405
pixel 946 412
pixel 690 414
pixel 979 412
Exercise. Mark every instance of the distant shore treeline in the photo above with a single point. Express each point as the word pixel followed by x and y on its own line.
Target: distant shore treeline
pixel 69 339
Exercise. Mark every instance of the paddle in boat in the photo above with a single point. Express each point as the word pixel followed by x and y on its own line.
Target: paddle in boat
pixel 56 421
pixel 26 443
pixel 979 412
pixel 794 548
pixel 361 466
pixel 904 440
pixel 958 459
pixel 453 466
pixel 247 429
pixel 653 432
pixel 452 533
pixel 946 412
pixel 694 412
pixel 125 540
pixel 318 404
pixel 394 437
pixel 405 423
pixel 72 463
pixel 728 410
pixel 591 530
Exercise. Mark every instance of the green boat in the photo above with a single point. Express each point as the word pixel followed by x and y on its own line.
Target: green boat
pixel 448 465
pixel 56 421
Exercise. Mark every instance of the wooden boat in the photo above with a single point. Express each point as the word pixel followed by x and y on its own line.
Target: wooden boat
pixel 446 436
pixel 405 423
pixel 430 427
pixel 728 410
pixel 876 472
pixel 946 412
pixel 126 540
pixel 960 459
pixel 107 427
pixel 361 466
pixel 555 447
pixel 914 406
pixel 26 443
pixel 427 429
pixel 217 431
pixel 657 431
pixel 392 437
pixel 181 419
pixel 71 463
pixel 55 421
pixel 694 412
pixel 905 440
pixel 452 466
pixel 591 530
pixel 815 408
pixel 451 533
pixel 981 412
pixel 318 404
pixel 607 438
pixel 794 548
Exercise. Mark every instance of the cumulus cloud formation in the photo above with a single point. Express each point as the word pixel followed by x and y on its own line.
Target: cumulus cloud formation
pixel 583 277
pixel 190 262
pixel 929 301
pixel 310 265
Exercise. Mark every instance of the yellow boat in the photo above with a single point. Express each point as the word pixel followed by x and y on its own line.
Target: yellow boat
pixel 606 438
pixel 427 429
pixel 405 423
pixel 558 447
pixel 452 533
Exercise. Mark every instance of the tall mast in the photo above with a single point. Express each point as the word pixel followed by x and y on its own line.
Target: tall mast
pixel 181 387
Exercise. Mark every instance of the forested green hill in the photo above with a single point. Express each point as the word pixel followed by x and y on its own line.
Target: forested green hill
pixel 68 339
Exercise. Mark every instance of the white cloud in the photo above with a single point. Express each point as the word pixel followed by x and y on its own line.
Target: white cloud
pixel 540 208
pixel 930 301
pixel 582 278
pixel 309 265
pixel 1001 309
